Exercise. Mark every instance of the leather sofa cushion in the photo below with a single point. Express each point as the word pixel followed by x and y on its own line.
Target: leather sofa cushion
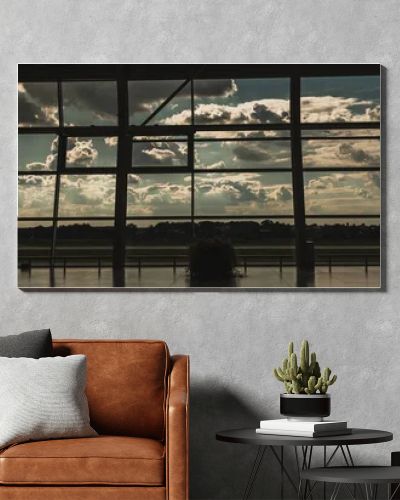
pixel 126 384
pixel 103 460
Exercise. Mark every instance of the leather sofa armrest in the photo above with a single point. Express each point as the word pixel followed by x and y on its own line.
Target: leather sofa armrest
pixel 177 431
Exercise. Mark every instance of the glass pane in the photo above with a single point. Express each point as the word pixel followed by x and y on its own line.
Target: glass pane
pixel 242 101
pixel 346 242
pixel 91 152
pixel 243 154
pixel 244 194
pixel 37 152
pixel 34 239
pixel 37 104
pixel 90 103
pixel 146 96
pixel 85 242
pixel 159 153
pixel 87 195
pixel 144 235
pixel 260 233
pixel 338 193
pixel 158 195
pixel 341 153
pixel 34 252
pixel 338 99
pixel 36 195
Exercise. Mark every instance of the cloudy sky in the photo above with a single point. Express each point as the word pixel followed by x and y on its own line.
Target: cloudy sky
pixel 219 192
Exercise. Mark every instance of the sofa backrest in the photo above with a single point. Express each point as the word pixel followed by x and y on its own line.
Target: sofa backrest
pixel 126 386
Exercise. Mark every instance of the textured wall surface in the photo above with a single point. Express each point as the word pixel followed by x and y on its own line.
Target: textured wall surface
pixel 234 339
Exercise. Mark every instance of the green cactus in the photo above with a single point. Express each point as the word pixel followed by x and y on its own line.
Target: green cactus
pixel 305 378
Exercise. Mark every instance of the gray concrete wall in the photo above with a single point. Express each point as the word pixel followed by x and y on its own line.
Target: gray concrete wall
pixel 234 339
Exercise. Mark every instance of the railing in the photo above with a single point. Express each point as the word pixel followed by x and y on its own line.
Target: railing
pixel 27 263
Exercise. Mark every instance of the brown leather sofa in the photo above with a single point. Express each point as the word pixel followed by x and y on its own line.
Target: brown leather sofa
pixel 139 400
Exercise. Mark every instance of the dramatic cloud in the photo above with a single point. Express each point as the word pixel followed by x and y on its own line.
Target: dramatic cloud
pixel 338 109
pixel 160 153
pixel 97 99
pixel 251 153
pixel 81 152
pixel 36 106
pixel 149 196
pixel 88 195
pixel 243 194
pixel 357 155
pixel 146 96
pixel 343 193
pixel 346 153
pixel 111 141
pixel 214 166
pixel 35 195
pixel 261 111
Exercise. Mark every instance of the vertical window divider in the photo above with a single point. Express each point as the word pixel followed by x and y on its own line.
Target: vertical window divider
pixel 61 159
pixel 297 178
pixel 124 158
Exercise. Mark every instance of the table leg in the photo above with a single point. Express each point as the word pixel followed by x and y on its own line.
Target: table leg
pixel 282 475
pixel 254 471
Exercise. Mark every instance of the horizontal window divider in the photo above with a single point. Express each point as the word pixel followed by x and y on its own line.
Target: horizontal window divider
pixel 37 172
pixel 339 125
pixel 241 170
pixel 207 217
pixel 159 217
pixel 341 169
pixel 137 72
pixel 39 130
pixel 241 217
pixel 160 130
pixel 343 138
pixel 159 170
pixel 157 139
pixel 72 131
pixel 88 218
pixel 241 139
pixel 31 219
pixel 343 216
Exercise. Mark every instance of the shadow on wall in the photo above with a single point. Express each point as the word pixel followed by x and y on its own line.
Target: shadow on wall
pixel 220 470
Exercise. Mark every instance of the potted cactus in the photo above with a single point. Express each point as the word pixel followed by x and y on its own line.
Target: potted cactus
pixel 306 386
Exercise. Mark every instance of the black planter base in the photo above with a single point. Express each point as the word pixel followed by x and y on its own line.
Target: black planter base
pixel 305 407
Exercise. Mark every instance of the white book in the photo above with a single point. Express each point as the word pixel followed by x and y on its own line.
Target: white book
pixel 310 434
pixel 303 425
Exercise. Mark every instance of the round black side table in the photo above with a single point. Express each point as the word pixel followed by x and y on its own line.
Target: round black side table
pixel 303 451
pixel 370 477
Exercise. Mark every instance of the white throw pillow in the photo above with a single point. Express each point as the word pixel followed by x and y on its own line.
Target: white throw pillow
pixel 43 399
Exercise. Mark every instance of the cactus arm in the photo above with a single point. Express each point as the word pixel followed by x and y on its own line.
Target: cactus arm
pixel 278 376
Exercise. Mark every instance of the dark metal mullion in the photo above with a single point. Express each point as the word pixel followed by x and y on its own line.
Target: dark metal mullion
pixel 241 170
pixel 342 138
pixel 341 169
pixel 124 157
pixel 343 216
pixel 297 179
pixel 242 139
pixel 160 130
pixel 206 216
pixel 61 158
pixel 192 181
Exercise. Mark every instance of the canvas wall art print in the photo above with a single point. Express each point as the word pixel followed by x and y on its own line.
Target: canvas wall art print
pixel 199 176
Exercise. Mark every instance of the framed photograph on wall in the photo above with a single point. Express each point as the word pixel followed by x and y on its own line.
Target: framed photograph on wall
pixel 199 176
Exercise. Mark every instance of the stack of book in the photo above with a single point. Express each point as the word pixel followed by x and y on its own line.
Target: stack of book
pixel 303 428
